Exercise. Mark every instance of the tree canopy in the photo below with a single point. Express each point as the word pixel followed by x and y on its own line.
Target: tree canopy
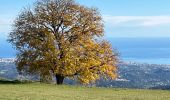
pixel 61 38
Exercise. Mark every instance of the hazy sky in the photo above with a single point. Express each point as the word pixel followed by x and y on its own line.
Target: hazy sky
pixel 123 18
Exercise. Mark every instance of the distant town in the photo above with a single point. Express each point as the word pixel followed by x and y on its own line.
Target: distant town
pixel 7 60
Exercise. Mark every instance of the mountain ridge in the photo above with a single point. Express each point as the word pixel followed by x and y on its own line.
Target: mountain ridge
pixel 131 75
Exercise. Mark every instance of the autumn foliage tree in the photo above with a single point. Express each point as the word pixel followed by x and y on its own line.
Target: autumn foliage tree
pixel 60 38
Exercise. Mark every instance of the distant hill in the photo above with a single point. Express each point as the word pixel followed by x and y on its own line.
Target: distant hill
pixel 8 70
pixel 166 87
pixel 131 75
pixel 134 75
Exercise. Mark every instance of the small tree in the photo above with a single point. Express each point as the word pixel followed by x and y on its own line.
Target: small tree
pixel 62 38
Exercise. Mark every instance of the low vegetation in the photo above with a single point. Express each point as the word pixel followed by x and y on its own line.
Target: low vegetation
pixel 10 90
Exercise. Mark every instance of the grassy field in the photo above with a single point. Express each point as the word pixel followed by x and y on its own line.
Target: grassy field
pixel 37 91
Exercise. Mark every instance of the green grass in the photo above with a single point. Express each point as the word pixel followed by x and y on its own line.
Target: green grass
pixel 37 91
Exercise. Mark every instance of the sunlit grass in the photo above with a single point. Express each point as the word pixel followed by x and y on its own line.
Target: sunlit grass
pixel 37 91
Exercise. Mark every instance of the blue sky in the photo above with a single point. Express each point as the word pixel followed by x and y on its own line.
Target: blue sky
pixel 123 18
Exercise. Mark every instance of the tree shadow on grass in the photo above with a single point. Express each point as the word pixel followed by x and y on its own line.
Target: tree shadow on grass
pixel 10 82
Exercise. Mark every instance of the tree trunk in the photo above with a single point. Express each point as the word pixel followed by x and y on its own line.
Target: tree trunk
pixel 59 79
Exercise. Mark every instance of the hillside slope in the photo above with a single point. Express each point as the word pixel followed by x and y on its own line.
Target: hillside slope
pixel 131 75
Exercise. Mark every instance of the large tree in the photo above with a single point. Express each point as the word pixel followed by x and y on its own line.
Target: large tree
pixel 63 39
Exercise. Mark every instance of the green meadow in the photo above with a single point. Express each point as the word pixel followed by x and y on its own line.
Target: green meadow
pixel 41 91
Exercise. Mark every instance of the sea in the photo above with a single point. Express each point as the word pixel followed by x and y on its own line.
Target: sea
pixel 141 50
